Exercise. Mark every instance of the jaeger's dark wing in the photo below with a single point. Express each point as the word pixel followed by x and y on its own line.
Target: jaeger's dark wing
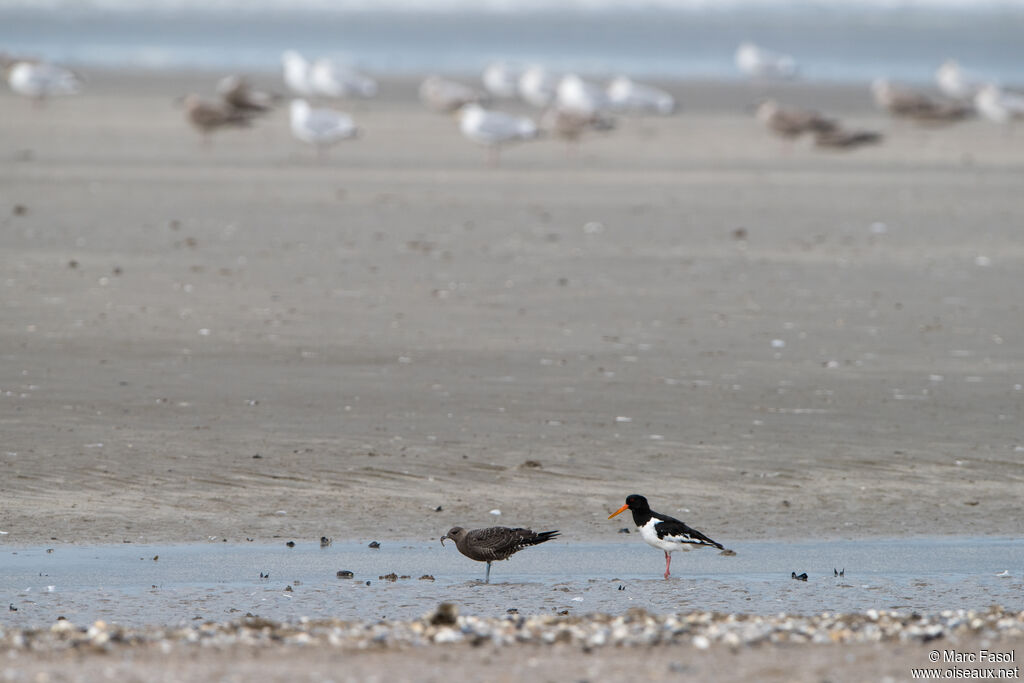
pixel 499 542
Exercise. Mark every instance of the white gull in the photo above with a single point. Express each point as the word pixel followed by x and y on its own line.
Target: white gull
pixel 296 73
pixel 492 129
pixel 580 97
pixel 332 79
pixel 758 62
pixel 956 82
pixel 440 94
pixel 626 95
pixel 40 80
pixel 320 127
pixel 538 86
pixel 501 79
pixel 999 106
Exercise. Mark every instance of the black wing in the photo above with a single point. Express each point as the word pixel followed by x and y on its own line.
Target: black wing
pixel 499 542
pixel 678 531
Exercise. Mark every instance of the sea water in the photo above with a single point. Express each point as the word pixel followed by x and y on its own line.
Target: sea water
pixel 134 584
pixel 834 40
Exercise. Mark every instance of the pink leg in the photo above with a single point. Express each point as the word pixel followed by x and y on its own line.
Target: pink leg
pixel 668 561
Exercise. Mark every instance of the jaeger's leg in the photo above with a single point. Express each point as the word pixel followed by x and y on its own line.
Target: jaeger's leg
pixel 487 576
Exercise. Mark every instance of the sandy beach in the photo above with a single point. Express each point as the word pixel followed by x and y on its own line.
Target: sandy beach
pixel 242 341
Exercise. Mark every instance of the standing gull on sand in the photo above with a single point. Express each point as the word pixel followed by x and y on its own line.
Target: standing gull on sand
pixel 956 82
pixel 501 79
pixel 904 103
pixel 538 86
pixel 332 79
pixel 791 122
pixel 296 70
pixel 494 543
pixel 626 95
pixel 207 117
pixel 320 127
pixel 841 139
pixel 661 531
pixel 570 126
pixel 40 80
pixel 441 95
pixel 999 106
pixel 238 94
pixel 492 129
pixel 580 97
pixel 758 62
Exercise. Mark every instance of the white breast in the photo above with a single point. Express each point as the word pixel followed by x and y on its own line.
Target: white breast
pixel 650 536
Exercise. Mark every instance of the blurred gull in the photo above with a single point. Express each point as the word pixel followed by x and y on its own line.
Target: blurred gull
pixel 40 80
pixel 580 97
pixel 627 96
pixel 841 139
pixel 332 79
pixel 957 82
pixel 900 102
pixel 238 94
pixel 297 73
pixel 440 94
pixel 320 127
pixel 493 129
pixel 538 86
pixel 791 122
pixel 571 126
pixel 207 117
pixel 8 60
pixel 999 106
pixel 758 62
pixel 501 79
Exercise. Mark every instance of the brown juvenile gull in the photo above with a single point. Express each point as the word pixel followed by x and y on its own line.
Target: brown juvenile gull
pixel 790 122
pixel 571 125
pixel 238 94
pixel 494 543
pixel 917 106
pixel 661 531
pixel 207 117
pixel 846 139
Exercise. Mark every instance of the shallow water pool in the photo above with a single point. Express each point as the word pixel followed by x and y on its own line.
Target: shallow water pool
pixel 217 581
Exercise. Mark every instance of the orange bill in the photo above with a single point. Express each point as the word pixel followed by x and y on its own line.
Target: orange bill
pixel 621 509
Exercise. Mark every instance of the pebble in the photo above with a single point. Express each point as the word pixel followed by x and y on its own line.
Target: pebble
pixel 445 625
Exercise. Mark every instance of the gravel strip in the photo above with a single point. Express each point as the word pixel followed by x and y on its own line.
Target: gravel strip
pixel 634 628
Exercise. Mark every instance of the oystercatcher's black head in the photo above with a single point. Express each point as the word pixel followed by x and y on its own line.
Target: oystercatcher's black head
pixel 633 502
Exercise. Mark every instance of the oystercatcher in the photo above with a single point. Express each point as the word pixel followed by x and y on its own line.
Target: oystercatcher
pixel 494 543
pixel 661 531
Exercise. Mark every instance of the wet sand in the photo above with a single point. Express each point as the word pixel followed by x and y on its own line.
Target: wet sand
pixel 242 342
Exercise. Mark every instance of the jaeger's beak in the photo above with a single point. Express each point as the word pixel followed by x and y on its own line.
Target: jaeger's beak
pixel 444 537
pixel 621 509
